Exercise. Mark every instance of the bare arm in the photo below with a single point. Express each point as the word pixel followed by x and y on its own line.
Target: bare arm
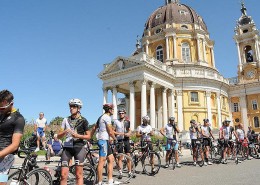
pixel 16 139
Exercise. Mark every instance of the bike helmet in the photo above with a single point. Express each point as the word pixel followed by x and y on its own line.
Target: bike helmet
pixel 121 111
pixel 192 121
pixel 76 101
pixel 146 118
pixel 171 118
pixel 227 121
pixel 108 106
pixel 206 120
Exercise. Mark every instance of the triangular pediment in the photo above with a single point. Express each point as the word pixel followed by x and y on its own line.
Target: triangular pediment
pixel 120 64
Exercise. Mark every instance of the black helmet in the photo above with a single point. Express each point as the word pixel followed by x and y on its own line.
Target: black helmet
pixel 192 121
pixel 171 118
pixel 206 120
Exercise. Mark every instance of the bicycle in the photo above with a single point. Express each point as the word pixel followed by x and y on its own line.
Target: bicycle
pixel 119 172
pixel 150 160
pixel 172 159
pixel 89 173
pixel 30 173
pixel 199 148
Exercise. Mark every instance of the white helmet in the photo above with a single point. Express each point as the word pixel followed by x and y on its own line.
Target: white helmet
pixel 76 101
pixel 147 118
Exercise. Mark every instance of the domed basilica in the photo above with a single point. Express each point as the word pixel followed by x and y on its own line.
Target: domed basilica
pixel 173 73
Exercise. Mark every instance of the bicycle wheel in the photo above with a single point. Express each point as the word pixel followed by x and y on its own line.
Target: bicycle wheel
pixel 172 161
pixel 15 176
pixel 38 176
pixel 199 159
pixel 152 163
pixel 121 173
pixel 90 175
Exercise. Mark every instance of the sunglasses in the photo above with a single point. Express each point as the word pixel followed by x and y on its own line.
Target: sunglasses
pixel 121 113
pixel 4 107
pixel 73 106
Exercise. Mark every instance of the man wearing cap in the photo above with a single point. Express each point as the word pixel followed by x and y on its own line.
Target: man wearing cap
pixel 169 131
pixel 206 134
pixel 123 133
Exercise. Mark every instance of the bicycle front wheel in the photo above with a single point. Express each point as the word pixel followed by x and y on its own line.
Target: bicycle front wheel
pixel 90 175
pixel 38 176
pixel 152 163
pixel 172 162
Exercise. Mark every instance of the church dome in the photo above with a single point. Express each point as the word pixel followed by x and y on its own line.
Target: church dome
pixel 177 13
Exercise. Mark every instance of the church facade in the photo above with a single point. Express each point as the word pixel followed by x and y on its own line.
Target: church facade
pixel 173 73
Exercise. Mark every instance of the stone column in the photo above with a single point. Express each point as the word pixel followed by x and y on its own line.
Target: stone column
pixel 127 103
pixel 204 50
pixel 230 111
pixel 256 49
pixel 132 105
pixel 244 110
pixel 208 94
pixel 159 108
pixel 213 57
pixel 164 99
pixel 239 56
pixel 143 99
pixel 174 47
pixel 180 109
pixel 167 47
pixel 172 103
pixel 152 104
pixel 147 47
pixel 198 48
pixel 219 110
pixel 105 91
pixel 114 101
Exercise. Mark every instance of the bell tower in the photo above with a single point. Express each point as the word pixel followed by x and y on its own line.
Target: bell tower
pixel 247 41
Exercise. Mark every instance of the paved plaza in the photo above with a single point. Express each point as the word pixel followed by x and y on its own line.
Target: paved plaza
pixel 245 173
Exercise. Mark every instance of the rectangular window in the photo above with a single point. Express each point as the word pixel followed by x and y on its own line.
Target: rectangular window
pixel 254 104
pixel 235 107
pixel 256 122
pixel 194 97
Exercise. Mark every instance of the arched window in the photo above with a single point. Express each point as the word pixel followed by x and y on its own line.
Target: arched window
pixel 249 54
pixel 159 53
pixel 185 52
pixel 256 122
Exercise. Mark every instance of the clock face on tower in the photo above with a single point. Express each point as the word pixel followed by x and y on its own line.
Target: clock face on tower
pixel 250 74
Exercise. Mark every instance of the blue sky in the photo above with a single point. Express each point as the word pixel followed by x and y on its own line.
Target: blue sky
pixel 53 50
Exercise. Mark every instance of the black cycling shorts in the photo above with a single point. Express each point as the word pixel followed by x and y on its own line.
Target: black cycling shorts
pixel 123 146
pixel 206 141
pixel 150 146
pixel 79 154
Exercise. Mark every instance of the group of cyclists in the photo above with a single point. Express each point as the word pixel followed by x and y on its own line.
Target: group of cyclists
pixel 75 130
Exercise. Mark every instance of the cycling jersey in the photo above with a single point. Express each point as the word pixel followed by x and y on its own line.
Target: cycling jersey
pixel 240 134
pixel 122 127
pixel 226 132
pixel 145 129
pixel 10 124
pixel 102 127
pixel 170 131
pixel 193 135
pixel 79 125
pixel 206 130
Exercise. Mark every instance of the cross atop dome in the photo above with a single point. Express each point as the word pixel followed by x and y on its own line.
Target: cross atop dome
pixel 172 1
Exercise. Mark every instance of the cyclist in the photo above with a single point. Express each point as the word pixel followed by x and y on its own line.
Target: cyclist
pixel 11 132
pixel 194 136
pixel 104 127
pixel 242 139
pixel 75 129
pixel 145 131
pixel 206 134
pixel 39 128
pixel 226 135
pixel 169 131
pixel 123 133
